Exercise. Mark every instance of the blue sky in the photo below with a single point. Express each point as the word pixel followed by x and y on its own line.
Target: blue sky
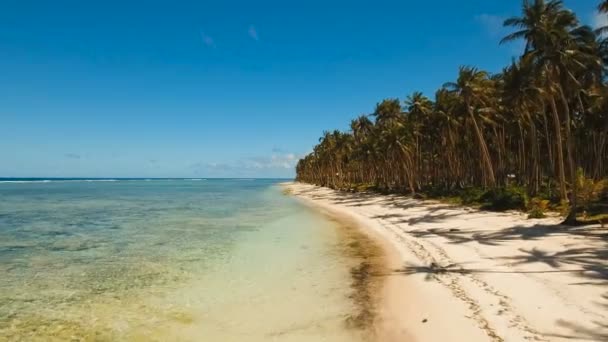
pixel 219 88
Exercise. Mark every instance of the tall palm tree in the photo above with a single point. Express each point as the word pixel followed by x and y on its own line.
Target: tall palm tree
pixel 602 32
pixel 473 87
pixel 549 30
pixel 361 127
pixel 419 109
pixel 388 112
pixel 534 125
pixel 520 90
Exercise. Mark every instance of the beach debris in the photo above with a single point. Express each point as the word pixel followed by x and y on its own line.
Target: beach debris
pixel 424 320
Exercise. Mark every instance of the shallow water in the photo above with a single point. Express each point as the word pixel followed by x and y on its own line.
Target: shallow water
pixel 170 260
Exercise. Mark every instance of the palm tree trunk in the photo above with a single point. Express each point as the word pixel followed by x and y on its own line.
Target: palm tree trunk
pixel 600 151
pixel 571 218
pixel 560 150
pixel 485 154
pixel 548 139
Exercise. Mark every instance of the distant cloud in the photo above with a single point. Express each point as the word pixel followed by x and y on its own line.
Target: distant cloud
pixel 253 33
pixel 72 156
pixel 599 20
pixel 283 161
pixel 277 164
pixel 207 40
pixel 213 167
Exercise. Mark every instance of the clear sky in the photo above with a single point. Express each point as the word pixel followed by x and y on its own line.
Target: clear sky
pixel 219 88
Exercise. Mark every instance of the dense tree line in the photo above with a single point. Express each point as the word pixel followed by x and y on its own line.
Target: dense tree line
pixel 537 124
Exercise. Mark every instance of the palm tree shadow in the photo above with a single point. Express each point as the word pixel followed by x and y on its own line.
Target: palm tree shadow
pixel 456 236
pixel 591 262
pixel 599 332
pixel 352 199
pixel 588 263
pixel 496 237
pixel 520 233
pixel 431 218
pixel 434 270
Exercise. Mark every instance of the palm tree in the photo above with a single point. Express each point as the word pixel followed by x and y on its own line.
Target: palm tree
pixel 549 30
pixel 418 106
pixel 361 127
pixel 419 109
pixel 448 123
pixel 473 87
pixel 388 112
pixel 521 91
pixel 540 119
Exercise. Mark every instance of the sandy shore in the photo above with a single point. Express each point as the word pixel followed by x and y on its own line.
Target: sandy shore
pixel 457 274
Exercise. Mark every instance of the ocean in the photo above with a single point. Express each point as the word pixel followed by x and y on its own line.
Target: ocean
pixel 171 260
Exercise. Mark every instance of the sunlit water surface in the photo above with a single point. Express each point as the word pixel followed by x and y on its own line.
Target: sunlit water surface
pixel 169 260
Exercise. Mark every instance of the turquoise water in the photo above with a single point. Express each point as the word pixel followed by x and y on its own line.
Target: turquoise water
pixel 169 260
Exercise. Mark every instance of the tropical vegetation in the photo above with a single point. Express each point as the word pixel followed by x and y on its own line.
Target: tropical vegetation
pixel 532 134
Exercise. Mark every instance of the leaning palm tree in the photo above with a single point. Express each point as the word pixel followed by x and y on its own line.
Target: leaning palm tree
pixel 532 126
pixel 419 108
pixel 522 94
pixel 547 28
pixel 473 86
pixel 602 32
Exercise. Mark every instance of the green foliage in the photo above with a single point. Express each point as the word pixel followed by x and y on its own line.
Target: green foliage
pixel 538 207
pixel 486 131
pixel 563 207
pixel 465 196
pixel 473 195
pixel 593 198
pixel 549 190
pixel 497 199
pixel 505 198
pixel 536 213
pixel 589 190
pixel 363 187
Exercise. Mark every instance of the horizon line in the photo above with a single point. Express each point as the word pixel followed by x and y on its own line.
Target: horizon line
pixel 119 178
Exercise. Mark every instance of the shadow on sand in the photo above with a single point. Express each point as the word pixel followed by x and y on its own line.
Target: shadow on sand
pixel 588 263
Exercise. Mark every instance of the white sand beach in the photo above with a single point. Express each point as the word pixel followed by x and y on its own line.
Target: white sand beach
pixel 459 274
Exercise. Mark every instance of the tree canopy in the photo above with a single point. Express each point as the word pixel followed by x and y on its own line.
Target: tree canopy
pixel 538 124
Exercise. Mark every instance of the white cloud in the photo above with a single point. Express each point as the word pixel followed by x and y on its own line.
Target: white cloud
pixel 253 33
pixel 277 164
pixel 282 161
pixel 599 20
